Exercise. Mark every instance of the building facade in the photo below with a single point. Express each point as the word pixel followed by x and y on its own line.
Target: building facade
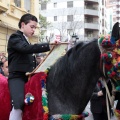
pixel 10 13
pixel 80 17
pixel 113 6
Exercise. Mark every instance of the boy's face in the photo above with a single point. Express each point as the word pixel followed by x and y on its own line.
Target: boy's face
pixel 29 28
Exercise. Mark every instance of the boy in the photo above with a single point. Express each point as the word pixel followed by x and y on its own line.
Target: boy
pixel 21 60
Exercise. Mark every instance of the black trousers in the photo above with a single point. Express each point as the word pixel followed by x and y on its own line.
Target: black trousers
pixel 100 116
pixel 17 89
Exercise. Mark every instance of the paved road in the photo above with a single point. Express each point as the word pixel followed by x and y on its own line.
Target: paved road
pixel 90 117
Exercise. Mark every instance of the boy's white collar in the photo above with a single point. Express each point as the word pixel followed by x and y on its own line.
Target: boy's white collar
pixel 26 38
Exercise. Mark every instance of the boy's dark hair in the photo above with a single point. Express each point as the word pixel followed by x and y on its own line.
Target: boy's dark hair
pixel 26 18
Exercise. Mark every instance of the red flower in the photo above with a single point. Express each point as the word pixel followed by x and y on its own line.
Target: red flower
pixel 45 116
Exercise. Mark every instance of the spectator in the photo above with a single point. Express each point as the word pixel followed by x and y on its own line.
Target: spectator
pixel 5 69
pixel 40 57
pixel 98 101
pixel 21 59
pixel 3 58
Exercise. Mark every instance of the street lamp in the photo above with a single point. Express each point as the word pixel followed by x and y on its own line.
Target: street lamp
pixel 75 38
pixel 72 41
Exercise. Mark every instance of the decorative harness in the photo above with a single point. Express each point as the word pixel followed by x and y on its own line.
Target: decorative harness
pixel 110 61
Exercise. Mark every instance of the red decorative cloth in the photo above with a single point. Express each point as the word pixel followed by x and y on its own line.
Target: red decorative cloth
pixel 31 112
pixel 35 110
pixel 5 106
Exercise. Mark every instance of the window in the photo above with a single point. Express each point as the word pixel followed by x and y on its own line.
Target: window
pixel 55 5
pixel 70 4
pixel 17 3
pixel 55 18
pixel 70 32
pixel 102 11
pixel 43 6
pixel 27 5
pixel 89 33
pixel 102 2
pixel 70 18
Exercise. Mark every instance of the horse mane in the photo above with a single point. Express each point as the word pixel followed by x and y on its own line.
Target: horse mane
pixel 71 76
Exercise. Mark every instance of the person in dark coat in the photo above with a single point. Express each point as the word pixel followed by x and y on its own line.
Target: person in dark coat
pixel 21 59
pixel 98 101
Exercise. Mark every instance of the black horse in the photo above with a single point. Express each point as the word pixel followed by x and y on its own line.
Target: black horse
pixel 72 79
pixel 70 82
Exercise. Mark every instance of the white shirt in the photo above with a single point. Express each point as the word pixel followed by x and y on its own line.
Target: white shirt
pixel 27 38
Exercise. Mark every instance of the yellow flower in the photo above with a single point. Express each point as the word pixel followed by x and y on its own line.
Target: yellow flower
pixel 118 51
pixel 114 61
pixel 74 117
pixel 45 109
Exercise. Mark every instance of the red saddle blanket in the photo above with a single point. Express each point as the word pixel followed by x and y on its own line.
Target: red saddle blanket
pixel 31 112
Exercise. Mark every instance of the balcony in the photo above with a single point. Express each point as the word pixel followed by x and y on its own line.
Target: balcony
pixel 16 11
pixel 90 38
pixel 94 26
pixel 91 11
pixel 97 1
pixel 3 6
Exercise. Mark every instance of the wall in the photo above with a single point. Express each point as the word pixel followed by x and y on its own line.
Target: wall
pixel 9 18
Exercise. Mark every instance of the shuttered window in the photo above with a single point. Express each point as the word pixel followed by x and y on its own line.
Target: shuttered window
pixel 70 18
pixel 55 18
pixel 43 6
pixel 70 4
pixel 17 3
pixel 27 5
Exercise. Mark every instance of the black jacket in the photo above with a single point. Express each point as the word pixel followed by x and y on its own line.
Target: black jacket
pixel 98 103
pixel 20 53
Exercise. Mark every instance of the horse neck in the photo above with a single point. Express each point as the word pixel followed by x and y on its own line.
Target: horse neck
pixel 72 79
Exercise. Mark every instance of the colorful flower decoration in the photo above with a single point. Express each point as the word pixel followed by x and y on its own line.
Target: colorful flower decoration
pixel 111 59
pixel 118 88
pixel 29 98
pixel 105 41
pixel 111 56
pixel 117 113
pixel 69 116
pixel 107 59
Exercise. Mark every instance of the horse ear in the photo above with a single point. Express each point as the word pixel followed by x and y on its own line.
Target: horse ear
pixel 115 32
